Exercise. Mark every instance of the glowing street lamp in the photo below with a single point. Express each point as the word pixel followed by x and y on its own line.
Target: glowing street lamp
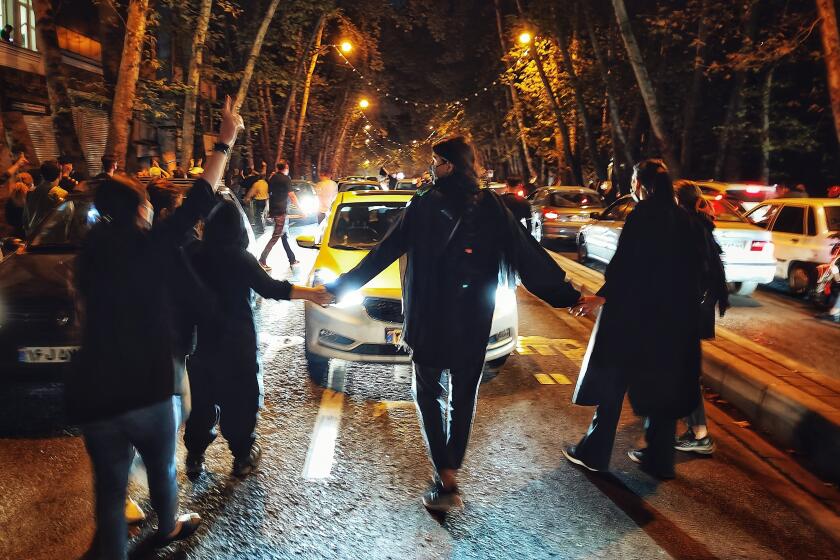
pixel 364 103
pixel 346 46
pixel 367 127
pixel 525 37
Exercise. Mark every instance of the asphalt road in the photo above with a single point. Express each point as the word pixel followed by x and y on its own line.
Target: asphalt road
pixel 344 469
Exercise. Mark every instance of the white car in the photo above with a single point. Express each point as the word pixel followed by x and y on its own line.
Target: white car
pixel 748 252
pixel 805 230
pixel 366 326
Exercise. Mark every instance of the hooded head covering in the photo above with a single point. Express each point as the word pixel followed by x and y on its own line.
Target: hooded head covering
pixel 224 226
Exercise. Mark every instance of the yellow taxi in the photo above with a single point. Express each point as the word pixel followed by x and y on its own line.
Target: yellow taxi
pixel 366 325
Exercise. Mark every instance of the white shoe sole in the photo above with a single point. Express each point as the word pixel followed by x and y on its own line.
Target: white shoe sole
pixel 572 459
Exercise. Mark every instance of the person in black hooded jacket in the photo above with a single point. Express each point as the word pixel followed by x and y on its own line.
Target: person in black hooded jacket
pixel 224 370
pixel 459 241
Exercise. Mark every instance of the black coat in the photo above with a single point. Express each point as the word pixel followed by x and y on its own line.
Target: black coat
pixel 648 334
pixel 715 292
pixel 130 336
pixel 458 241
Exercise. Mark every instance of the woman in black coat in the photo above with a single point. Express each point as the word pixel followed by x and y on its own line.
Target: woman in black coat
pixel 459 241
pixel 646 341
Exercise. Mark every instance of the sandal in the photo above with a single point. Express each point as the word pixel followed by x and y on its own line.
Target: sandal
pixel 187 525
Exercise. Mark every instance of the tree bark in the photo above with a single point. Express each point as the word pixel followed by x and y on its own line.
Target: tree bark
pixel 193 80
pixel 831 52
pixel 339 145
pixel 572 161
pixel 304 100
pixel 111 35
pixel 588 133
pixel 514 97
pixel 61 105
pixel 256 47
pixel 690 113
pixel 122 109
pixel 766 144
pixel 657 121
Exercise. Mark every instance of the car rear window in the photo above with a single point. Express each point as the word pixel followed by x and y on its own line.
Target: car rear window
pixel 725 212
pixel 66 226
pixel 576 200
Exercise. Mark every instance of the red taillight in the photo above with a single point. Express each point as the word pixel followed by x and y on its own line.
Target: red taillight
pixel 753 190
pixel 520 193
pixel 759 245
pixel 550 215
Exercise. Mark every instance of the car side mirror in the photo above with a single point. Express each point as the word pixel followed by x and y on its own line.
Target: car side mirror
pixel 307 242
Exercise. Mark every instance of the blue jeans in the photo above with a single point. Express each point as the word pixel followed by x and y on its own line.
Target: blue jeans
pixel 110 444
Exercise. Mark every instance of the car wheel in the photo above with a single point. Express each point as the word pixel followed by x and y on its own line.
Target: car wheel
pixel 801 279
pixel 583 253
pixel 742 288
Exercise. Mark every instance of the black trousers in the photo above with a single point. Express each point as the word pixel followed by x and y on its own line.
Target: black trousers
pixel 446 420
pixel 225 396
pixel 595 449
pixel 279 233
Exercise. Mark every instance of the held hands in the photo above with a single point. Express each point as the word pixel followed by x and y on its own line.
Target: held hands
pixel 587 305
pixel 231 123
pixel 318 295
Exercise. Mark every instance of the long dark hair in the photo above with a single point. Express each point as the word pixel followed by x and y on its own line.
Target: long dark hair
pixel 654 177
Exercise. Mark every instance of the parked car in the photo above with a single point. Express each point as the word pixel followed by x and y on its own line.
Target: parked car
pixel 39 328
pixel 805 231
pixel 366 326
pixel 308 211
pixel 359 185
pixel 744 196
pixel 559 212
pixel 748 251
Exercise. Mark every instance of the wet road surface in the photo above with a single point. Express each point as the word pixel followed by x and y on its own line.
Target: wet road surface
pixel 344 468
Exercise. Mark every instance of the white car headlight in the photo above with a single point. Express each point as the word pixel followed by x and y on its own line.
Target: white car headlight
pixel 505 298
pixel 322 276
pixel 309 205
pixel 351 299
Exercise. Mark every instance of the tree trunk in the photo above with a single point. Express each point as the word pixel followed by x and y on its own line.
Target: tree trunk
pixel 693 100
pixel 111 35
pixel 307 88
pixel 588 133
pixel 514 97
pixel 262 111
pixel 193 80
pixel 122 109
pixel 766 144
pixel 61 105
pixel 558 115
pixel 256 47
pixel 614 113
pixel 831 53
pixel 339 145
pixel 657 121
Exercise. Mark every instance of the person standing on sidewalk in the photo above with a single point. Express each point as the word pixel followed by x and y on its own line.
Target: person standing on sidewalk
pixel 459 241
pixel 121 390
pixel 326 189
pixel 279 193
pixel 646 341
pixel 696 438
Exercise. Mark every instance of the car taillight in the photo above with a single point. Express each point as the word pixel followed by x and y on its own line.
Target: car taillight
pixel 520 193
pixel 759 245
pixel 753 190
pixel 550 215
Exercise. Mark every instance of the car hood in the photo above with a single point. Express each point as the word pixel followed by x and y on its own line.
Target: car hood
pixel 386 284
pixel 33 276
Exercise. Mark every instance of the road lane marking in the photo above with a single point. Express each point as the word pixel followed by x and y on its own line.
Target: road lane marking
pixel 544 379
pixel 561 379
pixel 382 407
pixel 321 453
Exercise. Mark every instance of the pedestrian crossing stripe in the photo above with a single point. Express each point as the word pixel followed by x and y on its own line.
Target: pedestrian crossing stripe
pixel 552 379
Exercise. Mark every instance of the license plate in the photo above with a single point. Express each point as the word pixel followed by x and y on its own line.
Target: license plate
pixel 393 335
pixel 46 354
pixel 732 244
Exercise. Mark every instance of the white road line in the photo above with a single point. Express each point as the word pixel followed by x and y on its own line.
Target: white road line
pixel 321 452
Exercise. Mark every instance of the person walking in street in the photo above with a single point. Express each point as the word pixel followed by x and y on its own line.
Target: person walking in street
pixel 459 240
pixel 224 370
pixel 327 190
pixel 646 341
pixel 121 389
pixel 715 297
pixel 279 193
pixel 257 198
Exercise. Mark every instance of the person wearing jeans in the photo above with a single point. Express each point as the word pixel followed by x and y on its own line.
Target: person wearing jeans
pixel 279 194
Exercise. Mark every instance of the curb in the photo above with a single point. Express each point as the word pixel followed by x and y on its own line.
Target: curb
pixel 790 416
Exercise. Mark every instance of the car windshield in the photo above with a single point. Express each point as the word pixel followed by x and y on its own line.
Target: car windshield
pixel 362 225
pixel 66 226
pixel 832 217
pixel 576 200
pixel 356 186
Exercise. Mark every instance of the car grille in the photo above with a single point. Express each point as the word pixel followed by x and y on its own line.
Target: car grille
pixel 37 317
pixel 385 310
pixel 380 350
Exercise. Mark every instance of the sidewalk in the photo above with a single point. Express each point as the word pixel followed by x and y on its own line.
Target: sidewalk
pixel 797 407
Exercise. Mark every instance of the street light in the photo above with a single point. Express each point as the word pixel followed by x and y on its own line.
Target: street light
pixel 367 127
pixel 346 46
pixel 525 37
pixel 364 103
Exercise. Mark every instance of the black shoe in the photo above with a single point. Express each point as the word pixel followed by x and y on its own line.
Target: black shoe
pixel 442 500
pixel 187 525
pixel 638 456
pixel 194 465
pixel 828 317
pixel 244 466
pixel 570 453
pixel 689 443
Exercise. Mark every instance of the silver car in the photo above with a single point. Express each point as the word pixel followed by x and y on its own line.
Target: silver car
pixel 560 212
pixel 748 251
